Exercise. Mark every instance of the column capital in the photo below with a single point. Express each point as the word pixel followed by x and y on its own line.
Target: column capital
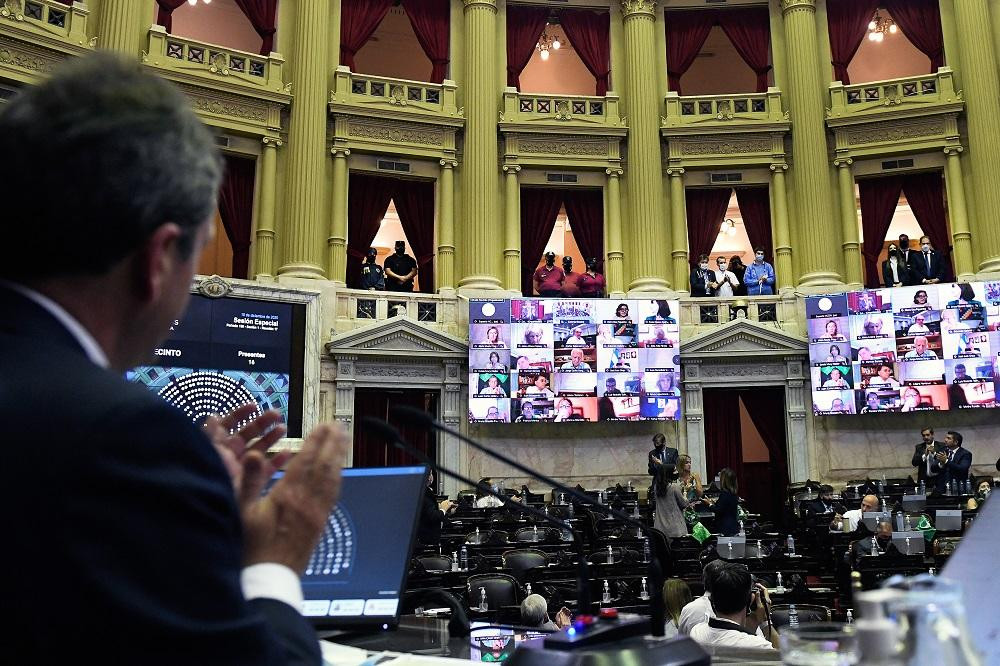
pixel 448 164
pixel 340 151
pixel 953 150
pixel 484 4
pixel 272 142
pixel 779 167
pixel 675 172
pixel 511 169
pixel 843 162
pixel 638 9
pixel 792 5
pixel 615 173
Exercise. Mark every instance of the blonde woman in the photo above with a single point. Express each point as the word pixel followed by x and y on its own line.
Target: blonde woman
pixel 689 482
pixel 676 595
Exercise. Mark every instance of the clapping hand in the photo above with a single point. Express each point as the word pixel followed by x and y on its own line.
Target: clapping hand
pixel 564 618
pixel 235 447
pixel 941 457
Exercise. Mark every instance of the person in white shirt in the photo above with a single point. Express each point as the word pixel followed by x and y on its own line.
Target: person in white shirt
pixel 700 609
pixel 741 608
pixel 869 503
pixel 576 339
pixel 918 327
pixel 540 389
pixel 575 362
pixel 836 380
pixel 921 349
pixel 884 377
pixel 484 500
pixel 725 278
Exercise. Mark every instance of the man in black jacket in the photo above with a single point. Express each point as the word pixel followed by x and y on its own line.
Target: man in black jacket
pixel 923 457
pixel 927 265
pixel 131 544
pixel 432 513
pixel 661 454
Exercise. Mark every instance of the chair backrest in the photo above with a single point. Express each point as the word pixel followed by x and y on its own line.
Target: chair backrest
pixel 806 613
pixel 521 560
pixel 435 562
pixel 501 590
pixel 601 556
pixel 530 535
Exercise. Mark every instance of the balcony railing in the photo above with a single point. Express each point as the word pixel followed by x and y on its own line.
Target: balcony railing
pixel 380 92
pixel 241 68
pixel 701 110
pixel 703 313
pixel 359 307
pixel 570 109
pixel 63 20
pixel 910 93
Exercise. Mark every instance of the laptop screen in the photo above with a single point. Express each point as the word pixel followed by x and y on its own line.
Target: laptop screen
pixel 357 572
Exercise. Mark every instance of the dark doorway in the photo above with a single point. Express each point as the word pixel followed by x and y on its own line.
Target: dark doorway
pixel 745 430
pixel 371 450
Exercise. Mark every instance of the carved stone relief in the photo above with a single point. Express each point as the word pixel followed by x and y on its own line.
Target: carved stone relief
pixel 396 133
pixel 894 131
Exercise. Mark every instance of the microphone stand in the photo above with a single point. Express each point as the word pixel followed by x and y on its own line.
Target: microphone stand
pixel 656 606
pixel 393 435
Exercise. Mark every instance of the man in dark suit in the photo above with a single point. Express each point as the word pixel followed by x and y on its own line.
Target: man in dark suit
pixel 907 254
pixel 923 458
pixel 927 265
pixel 661 454
pixel 954 462
pixel 822 505
pixel 137 540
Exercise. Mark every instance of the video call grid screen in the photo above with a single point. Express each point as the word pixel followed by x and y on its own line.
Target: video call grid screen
pixel 573 359
pixel 905 349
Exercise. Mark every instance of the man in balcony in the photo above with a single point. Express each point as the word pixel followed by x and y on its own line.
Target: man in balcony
pixel 372 275
pixel 759 276
pixel 907 255
pixel 400 269
pixel 726 279
pixel 927 265
pixel 569 288
pixel 548 279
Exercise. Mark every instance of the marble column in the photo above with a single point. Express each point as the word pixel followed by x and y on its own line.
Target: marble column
pixel 958 214
pixel 646 229
pixel 512 228
pixel 480 180
pixel 820 262
pixel 446 226
pixel 306 163
pixel 981 86
pixel 336 242
pixel 678 227
pixel 120 26
pixel 849 223
pixel 614 273
pixel 263 244
pixel 784 278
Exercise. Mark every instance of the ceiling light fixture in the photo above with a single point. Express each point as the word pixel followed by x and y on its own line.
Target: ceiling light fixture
pixel 879 27
pixel 546 43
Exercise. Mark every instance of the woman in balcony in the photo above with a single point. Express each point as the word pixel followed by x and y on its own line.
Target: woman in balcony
pixel 703 282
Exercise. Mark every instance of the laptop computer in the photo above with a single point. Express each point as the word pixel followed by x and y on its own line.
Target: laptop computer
pixel 908 543
pixel 948 520
pixel 357 573
pixel 739 547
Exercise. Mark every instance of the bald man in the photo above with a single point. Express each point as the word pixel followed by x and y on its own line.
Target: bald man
pixel 575 362
pixel 853 517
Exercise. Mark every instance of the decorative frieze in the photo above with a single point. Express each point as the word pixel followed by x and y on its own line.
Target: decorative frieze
pixel 553 146
pixel 393 133
pixel 891 131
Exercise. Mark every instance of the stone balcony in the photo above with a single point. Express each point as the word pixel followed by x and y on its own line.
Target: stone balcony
pixel 36 35
pixel 358 308
pixel 700 315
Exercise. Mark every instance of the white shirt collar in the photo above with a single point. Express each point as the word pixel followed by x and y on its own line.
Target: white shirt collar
pixel 75 328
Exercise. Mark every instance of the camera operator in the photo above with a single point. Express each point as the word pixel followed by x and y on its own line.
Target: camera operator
pixel 741 607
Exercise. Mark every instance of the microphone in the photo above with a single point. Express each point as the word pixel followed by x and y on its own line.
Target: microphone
pixel 657 611
pixel 391 434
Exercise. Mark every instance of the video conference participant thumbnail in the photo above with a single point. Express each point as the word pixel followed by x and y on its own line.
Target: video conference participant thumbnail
pixel 534 384
pixel 833 402
pixel 486 410
pixel 618 408
pixel 581 384
pixel 489 385
pixel 575 409
pixel 532 409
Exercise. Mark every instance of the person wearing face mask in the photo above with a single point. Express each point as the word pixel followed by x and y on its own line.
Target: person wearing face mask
pixel 927 265
pixel 703 282
pixel 726 279
pixel 738 268
pixel 548 279
pixel 400 269
pixel 907 255
pixel 883 541
pixel 591 283
pixel 372 275
pixel 569 288
pixel 895 272
pixel 759 276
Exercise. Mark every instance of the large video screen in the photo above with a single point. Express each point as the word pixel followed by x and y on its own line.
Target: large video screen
pixel 574 360
pixel 227 352
pixel 905 349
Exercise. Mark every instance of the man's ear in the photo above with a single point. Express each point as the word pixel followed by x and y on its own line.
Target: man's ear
pixel 155 261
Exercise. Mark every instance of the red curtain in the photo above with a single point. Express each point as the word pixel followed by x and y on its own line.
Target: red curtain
pixel 585 210
pixel 261 14
pixel 370 449
pixel 749 29
pixel 925 194
pixel 766 407
pixel 686 34
pixel 847 24
pixel 524 27
pixel 723 437
pixel 164 9
pixel 414 201
pixel 589 33
pixel 539 209
pixel 706 208
pixel 920 21
pixel 879 198
pixel 755 207
pixel 431 21
pixel 236 209
pixel 358 21
pixel 367 200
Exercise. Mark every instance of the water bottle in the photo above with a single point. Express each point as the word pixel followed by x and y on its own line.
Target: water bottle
pixel 884 482
pixel 483 606
pixel 923 487
pixel 477 536
pixel 534 532
pixel 569 509
pixel 611 555
pixel 645 550
pixel 741 532
pixel 931 572
pixel 454 561
pixel 606 597
pixel 562 498
pixel 793 617
pixel 850 616
pixel 630 485
pixel 907 545
pixel 907 524
pixel 600 497
pixel 730 546
pixel 644 592
pixel 463 559
pixel 790 546
pixel 527 588
pixel 881 487
pixel 760 548
pixel 779 586
pixel 899 521
pixel 635 510
pixel 875 550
